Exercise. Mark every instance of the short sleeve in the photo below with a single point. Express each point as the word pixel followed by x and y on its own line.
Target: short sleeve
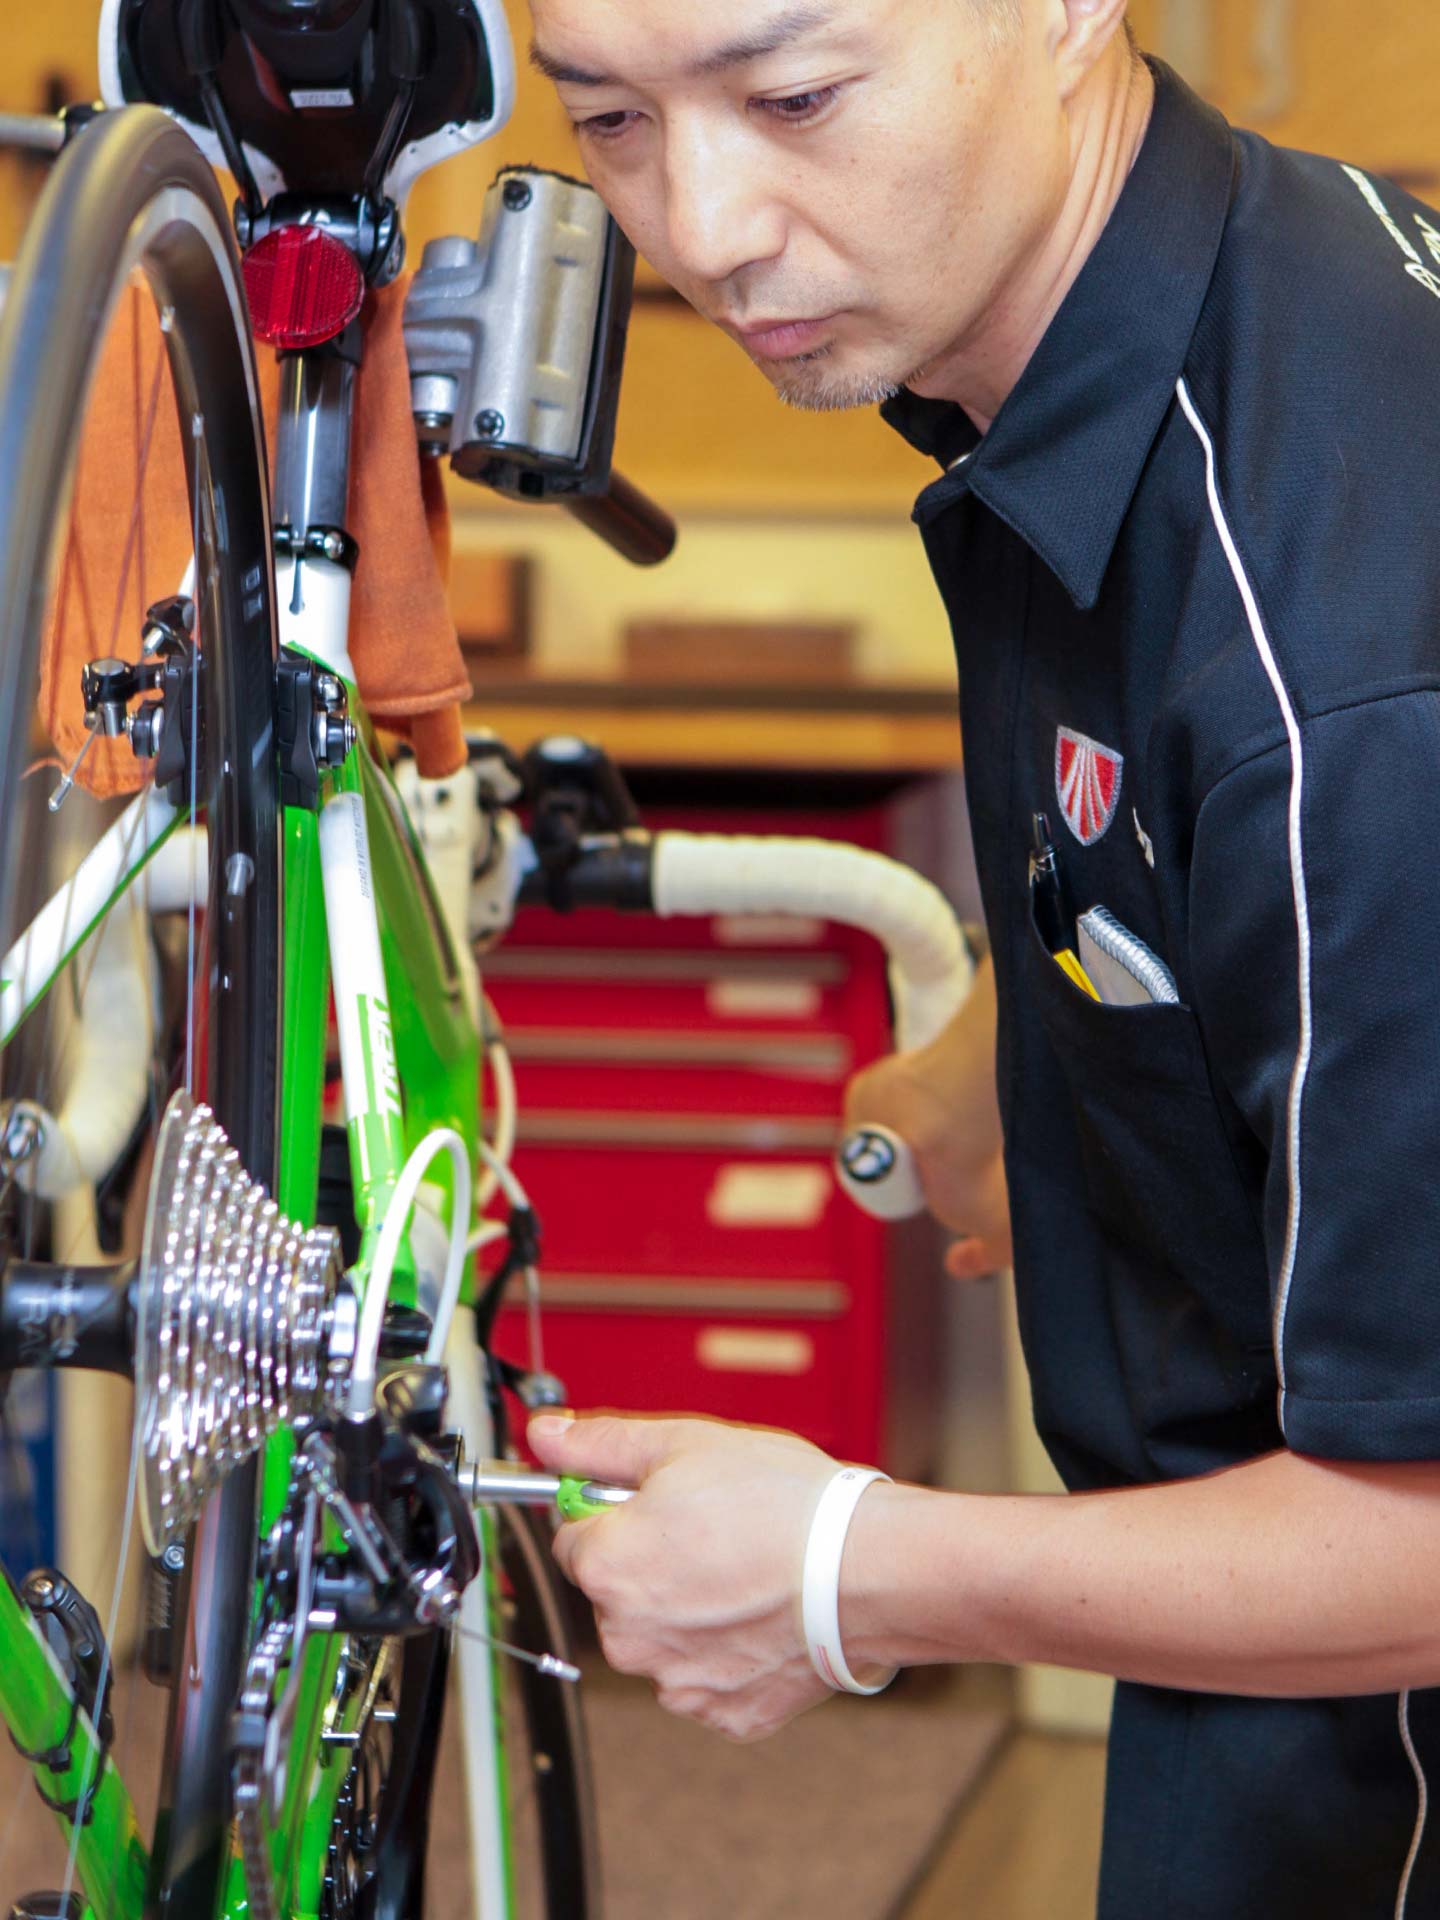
pixel 1315 946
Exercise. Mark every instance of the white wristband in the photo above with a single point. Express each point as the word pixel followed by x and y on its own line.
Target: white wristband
pixel 820 1582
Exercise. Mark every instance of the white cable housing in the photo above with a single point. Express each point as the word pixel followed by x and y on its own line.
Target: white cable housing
pixel 507 1105
pixel 505 1175
pixel 377 1289
pixel 485 1235
pixel 931 971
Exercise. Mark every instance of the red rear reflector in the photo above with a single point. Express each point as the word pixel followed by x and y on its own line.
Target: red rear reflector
pixel 303 286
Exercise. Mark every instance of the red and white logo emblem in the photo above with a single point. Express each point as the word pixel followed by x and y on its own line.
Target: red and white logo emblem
pixel 1087 784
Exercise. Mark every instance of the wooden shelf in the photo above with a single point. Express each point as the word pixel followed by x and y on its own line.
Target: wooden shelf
pixel 850 729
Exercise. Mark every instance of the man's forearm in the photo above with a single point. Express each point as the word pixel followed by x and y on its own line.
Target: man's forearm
pixel 1285 1576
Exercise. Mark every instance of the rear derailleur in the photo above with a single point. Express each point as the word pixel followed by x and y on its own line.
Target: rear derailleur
pixel 385 1486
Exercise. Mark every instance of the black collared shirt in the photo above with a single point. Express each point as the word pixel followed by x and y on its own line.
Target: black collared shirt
pixel 1194 579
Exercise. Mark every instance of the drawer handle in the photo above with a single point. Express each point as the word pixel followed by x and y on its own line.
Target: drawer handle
pixel 751 1194
pixel 767 997
pixel 754 1350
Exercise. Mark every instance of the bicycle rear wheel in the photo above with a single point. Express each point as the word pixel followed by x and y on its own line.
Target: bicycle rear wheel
pixel 131 221
pixel 552 1813
pixel 542 1862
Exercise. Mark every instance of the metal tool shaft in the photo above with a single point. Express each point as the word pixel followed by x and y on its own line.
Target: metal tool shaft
pixel 516 1485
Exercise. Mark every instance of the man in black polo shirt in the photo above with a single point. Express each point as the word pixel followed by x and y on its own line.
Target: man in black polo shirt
pixel 1179 386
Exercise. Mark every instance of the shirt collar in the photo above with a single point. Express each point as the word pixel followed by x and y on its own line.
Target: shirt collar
pixel 1064 455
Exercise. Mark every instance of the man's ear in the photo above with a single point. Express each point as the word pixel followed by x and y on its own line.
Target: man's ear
pixel 1082 31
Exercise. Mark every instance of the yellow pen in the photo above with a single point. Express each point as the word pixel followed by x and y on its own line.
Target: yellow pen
pixel 1069 963
pixel 1053 918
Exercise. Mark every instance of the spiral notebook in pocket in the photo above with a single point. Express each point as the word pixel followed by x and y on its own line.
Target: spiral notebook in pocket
pixel 1124 971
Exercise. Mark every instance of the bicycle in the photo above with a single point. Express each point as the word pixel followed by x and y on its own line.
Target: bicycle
pixel 320 1452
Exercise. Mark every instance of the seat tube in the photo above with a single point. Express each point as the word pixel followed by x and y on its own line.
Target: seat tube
pixel 314 558
pixel 315 554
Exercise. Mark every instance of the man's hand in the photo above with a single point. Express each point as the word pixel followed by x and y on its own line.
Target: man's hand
pixel 696 1581
pixel 941 1100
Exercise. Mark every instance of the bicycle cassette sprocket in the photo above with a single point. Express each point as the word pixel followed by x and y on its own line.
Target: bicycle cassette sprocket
pixel 233 1312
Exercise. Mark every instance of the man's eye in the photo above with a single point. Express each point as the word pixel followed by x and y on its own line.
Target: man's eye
pixel 606 126
pixel 797 109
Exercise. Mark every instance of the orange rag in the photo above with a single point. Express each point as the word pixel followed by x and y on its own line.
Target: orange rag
pixel 129 540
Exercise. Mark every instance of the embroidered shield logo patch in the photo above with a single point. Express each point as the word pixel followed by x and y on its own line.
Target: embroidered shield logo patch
pixel 1087 784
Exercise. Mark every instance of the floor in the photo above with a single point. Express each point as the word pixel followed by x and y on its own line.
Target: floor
pixel 1027 1844
pixel 831 1819
pixel 1024 1844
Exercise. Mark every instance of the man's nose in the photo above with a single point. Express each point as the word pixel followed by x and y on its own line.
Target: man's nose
pixel 722 207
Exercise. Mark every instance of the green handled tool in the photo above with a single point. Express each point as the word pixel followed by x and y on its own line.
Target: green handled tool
pixel 511 1483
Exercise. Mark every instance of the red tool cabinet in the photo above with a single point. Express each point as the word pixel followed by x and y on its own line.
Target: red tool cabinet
pixel 680 1086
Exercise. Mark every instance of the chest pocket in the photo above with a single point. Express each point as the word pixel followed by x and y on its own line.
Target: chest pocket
pixel 1179 1226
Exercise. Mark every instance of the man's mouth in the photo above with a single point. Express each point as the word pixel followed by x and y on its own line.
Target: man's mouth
pixel 786 339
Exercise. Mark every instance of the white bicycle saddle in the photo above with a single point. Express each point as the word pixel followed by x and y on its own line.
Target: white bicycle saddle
pixel 314 89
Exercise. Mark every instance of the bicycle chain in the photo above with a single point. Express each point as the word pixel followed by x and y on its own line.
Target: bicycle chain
pixel 353 1830
pixel 250 1769
pixel 262 1727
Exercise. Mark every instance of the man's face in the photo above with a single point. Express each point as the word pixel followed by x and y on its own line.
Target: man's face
pixel 847 187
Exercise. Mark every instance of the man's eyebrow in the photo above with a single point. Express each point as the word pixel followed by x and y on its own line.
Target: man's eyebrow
pixel 756 45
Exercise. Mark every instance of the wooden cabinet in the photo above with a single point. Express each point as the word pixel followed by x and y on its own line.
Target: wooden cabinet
pixel 50 60
pixel 1323 75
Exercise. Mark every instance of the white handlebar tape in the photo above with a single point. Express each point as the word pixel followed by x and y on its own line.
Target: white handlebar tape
pixel 820 1582
pixel 931 968
pixel 877 1169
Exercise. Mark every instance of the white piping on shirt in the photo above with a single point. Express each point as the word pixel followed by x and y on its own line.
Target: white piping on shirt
pixel 1297 882
pixel 1424 1792
pixel 1302 1052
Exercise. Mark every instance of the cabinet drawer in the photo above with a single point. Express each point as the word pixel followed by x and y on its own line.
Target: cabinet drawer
pixel 790 1372
pixel 646 1210
pixel 670 990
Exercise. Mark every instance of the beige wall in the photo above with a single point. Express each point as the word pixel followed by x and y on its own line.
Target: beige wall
pixel 872 571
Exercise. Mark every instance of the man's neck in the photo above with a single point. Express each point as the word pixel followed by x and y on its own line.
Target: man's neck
pixel 1109 119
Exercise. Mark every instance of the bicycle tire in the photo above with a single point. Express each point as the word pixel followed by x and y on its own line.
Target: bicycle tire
pixel 134 192
pixel 554 1869
pixel 556 1873
pixel 558 1751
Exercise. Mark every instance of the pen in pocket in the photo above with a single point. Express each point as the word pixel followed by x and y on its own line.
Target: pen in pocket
pixel 1054 919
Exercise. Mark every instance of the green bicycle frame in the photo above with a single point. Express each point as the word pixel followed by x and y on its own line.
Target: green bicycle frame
pixel 436 1056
